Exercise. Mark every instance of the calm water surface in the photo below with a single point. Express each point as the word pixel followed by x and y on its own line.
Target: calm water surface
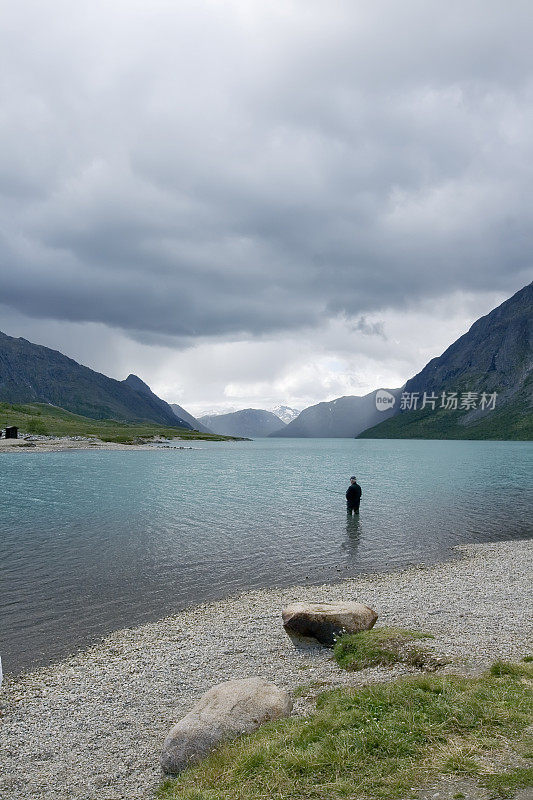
pixel 94 541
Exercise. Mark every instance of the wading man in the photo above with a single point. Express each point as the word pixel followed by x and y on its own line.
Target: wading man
pixel 353 496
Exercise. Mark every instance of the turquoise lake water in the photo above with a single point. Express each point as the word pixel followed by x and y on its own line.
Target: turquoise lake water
pixel 94 541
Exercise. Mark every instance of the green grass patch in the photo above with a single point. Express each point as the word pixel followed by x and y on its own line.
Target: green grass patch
pixel 383 647
pixel 506 668
pixel 40 418
pixel 377 743
pixel 505 784
pixel 36 425
pixel 309 688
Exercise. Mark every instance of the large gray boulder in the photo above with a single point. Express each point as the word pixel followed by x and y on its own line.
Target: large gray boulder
pixel 222 713
pixel 326 621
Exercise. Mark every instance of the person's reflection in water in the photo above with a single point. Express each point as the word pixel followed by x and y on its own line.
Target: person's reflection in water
pixel 353 534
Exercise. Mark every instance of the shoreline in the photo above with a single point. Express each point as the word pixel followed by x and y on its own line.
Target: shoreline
pixel 452 554
pixel 91 726
pixel 63 444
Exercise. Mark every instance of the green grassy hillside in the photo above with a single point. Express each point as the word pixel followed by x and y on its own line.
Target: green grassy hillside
pixel 40 418
pixel 513 421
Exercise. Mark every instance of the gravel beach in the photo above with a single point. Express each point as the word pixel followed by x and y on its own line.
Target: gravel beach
pixel 61 444
pixel 92 726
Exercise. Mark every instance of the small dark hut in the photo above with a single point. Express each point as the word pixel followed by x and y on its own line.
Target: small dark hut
pixel 12 432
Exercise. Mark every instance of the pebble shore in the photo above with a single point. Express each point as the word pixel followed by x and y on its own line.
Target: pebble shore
pixel 62 444
pixel 91 727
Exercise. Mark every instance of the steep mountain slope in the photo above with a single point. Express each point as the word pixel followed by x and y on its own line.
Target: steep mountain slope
pixel 140 386
pixel 33 373
pixel 494 356
pixel 193 422
pixel 341 418
pixel 251 422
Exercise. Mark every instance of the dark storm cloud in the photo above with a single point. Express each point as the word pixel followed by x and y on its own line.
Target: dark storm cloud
pixel 217 169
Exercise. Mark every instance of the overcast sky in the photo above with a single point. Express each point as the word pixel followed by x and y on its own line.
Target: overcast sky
pixel 262 201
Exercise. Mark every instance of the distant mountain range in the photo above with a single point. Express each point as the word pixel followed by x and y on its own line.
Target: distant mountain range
pixel 249 422
pixel 494 356
pixel 285 413
pixel 193 422
pixel 33 373
pixel 340 418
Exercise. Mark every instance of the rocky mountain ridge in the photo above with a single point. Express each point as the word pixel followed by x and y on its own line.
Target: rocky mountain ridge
pixel 33 373
pixel 493 359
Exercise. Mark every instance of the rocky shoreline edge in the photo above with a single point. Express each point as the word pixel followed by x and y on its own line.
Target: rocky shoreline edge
pixel 62 444
pixel 92 726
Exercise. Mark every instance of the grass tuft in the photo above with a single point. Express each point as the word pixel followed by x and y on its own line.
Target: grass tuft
pixel 383 647
pixel 517 670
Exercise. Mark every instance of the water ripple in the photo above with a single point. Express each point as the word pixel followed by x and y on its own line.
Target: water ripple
pixel 92 541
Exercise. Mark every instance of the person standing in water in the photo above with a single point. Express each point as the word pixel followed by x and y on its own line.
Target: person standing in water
pixel 353 496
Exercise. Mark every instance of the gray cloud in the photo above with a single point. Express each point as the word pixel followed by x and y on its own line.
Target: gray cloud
pixel 225 170
pixel 370 328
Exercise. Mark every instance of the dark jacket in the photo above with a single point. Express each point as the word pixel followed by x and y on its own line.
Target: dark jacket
pixel 353 495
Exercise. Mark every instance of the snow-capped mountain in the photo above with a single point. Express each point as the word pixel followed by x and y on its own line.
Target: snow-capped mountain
pixel 285 413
